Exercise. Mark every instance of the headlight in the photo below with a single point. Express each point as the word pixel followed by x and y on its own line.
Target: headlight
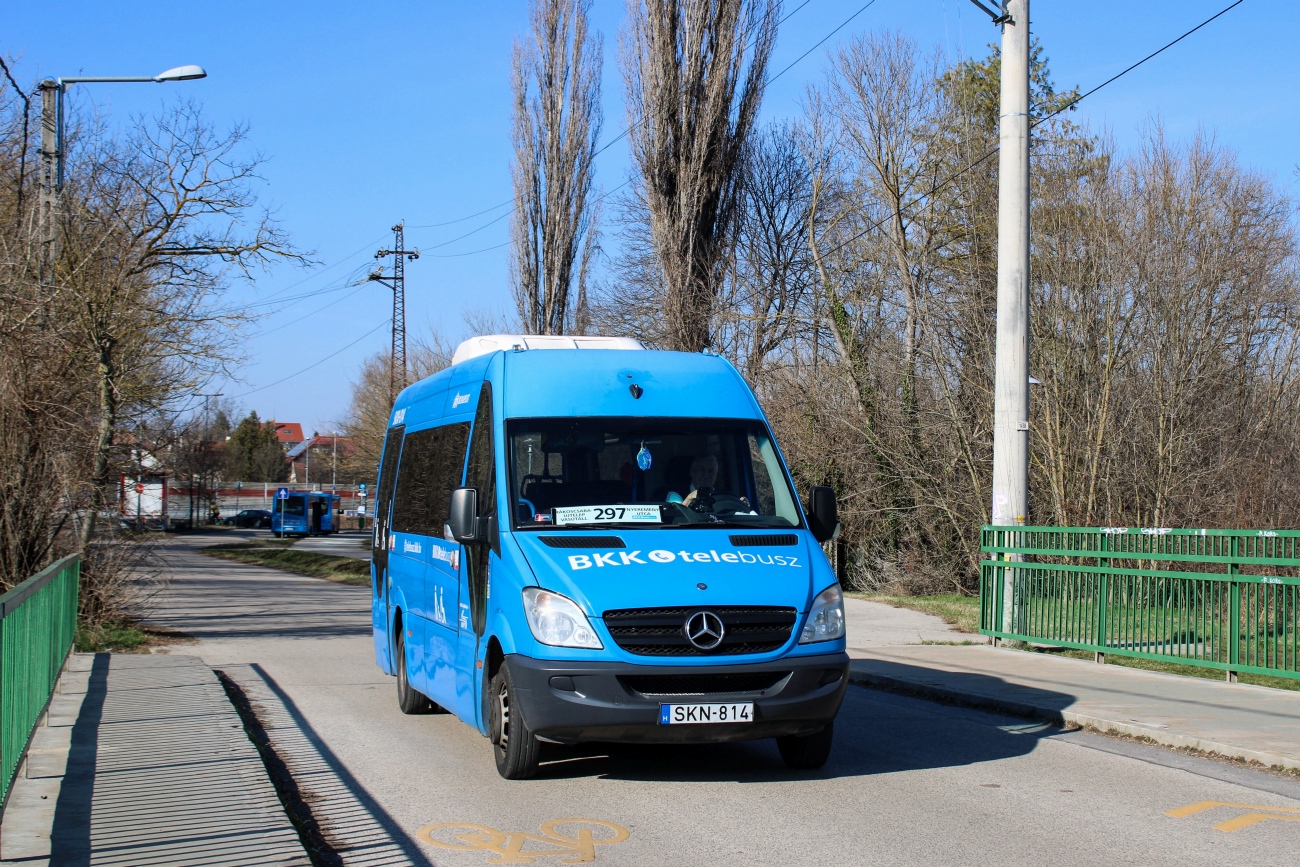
pixel 557 621
pixel 826 617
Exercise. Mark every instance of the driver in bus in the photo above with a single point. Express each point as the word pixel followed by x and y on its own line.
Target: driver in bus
pixel 704 479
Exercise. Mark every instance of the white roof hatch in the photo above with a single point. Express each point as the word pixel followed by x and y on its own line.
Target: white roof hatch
pixel 477 346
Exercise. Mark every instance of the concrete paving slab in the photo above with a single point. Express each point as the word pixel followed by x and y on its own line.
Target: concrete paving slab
pixel 1252 723
pixel 874 624
pixel 145 761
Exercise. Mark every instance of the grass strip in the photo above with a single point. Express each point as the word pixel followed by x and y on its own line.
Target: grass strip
pixel 124 637
pixel 343 570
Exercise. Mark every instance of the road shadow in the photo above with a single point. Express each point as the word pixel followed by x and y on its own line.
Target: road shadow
pixel 70 833
pixel 875 733
pixel 353 824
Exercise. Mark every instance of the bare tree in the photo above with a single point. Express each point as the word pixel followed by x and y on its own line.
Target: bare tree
pixel 694 73
pixel 367 416
pixel 557 121
pixel 154 227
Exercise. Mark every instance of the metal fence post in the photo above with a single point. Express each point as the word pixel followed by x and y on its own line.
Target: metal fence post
pixel 1103 601
pixel 1234 613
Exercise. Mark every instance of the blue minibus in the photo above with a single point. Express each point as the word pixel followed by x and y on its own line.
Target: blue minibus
pixel 303 513
pixel 578 539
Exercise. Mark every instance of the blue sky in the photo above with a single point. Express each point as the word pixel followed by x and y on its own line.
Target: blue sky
pixel 371 113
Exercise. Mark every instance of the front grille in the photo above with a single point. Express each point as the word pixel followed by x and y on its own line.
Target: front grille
pixel 582 541
pixel 658 631
pixel 746 683
pixel 770 539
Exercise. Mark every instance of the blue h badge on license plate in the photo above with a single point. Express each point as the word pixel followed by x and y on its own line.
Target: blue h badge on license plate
pixel 665 714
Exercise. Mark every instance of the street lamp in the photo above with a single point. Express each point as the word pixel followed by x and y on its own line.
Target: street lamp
pixel 52 157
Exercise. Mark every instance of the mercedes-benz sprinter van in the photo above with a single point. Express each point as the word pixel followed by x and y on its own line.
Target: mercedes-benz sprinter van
pixel 577 539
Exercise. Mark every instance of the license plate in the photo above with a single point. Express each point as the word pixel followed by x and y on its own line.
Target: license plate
pixel 677 714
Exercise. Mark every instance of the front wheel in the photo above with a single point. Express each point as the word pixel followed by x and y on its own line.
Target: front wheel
pixel 807 752
pixel 409 699
pixel 515 748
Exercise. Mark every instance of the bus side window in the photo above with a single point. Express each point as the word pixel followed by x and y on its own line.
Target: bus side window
pixel 431 466
pixel 481 473
pixel 387 476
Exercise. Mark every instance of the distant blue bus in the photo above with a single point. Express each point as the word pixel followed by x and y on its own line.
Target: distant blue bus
pixel 304 513
pixel 602 543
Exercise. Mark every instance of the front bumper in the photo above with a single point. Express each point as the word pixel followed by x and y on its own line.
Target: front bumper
pixel 570 702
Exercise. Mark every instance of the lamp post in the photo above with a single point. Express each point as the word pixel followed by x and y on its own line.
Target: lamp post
pixel 204 448
pixel 52 150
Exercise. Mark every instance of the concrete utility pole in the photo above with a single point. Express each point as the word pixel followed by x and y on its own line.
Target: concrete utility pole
pixel 1011 378
pixel 1011 382
pixel 51 159
pixel 397 282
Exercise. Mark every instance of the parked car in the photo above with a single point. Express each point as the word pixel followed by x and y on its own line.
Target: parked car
pixel 256 518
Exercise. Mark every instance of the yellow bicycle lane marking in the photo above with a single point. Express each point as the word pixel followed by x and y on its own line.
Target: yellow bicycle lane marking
pixel 1256 813
pixel 577 847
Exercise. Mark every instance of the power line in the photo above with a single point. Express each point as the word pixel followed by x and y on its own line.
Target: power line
pixel 359 286
pixel 470 253
pixel 463 219
pixel 844 24
pixel 1068 105
pixel 314 364
pixel 316 274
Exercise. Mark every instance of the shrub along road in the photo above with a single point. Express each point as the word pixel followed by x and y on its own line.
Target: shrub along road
pixel 908 782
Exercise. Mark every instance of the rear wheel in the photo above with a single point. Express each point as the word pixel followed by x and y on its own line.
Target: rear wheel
pixel 515 748
pixel 807 752
pixel 409 699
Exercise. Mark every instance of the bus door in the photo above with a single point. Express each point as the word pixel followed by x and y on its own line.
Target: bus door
pixel 476 567
pixel 327 518
pixel 380 613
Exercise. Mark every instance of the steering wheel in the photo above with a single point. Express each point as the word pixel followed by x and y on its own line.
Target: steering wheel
pixel 728 503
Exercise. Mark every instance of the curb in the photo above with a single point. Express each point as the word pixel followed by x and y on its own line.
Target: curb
pixel 948 695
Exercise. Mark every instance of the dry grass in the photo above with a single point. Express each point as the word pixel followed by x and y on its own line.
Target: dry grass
pixel 344 570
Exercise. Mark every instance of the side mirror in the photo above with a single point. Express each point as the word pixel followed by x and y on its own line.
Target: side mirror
pixel 462 517
pixel 823 513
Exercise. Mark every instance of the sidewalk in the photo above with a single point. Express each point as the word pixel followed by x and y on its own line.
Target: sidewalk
pixel 1252 723
pixel 144 761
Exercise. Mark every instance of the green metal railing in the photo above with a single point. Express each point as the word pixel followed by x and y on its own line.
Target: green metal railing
pixel 38 620
pixel 1225 599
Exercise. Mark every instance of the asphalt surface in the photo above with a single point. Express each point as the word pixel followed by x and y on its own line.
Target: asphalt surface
pixel 908 782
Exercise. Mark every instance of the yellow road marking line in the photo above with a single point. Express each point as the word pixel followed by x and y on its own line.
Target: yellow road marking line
pixel 1248 819
pixel 1257 814
pixel 509 846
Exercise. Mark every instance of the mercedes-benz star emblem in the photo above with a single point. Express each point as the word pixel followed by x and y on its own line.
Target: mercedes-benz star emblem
pixel 704 629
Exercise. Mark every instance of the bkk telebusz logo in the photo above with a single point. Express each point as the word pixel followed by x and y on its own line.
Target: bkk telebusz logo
pixel 633 558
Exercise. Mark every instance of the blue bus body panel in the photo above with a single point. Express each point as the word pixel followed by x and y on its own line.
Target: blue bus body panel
pixel 597 382
pixel 659 567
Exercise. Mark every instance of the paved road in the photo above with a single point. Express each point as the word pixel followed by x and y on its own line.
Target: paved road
pixel 909 782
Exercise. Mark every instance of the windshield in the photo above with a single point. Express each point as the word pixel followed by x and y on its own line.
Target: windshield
pixel 639 472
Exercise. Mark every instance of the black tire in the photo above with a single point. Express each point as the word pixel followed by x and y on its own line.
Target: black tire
pixel 807 752
pixel 409 699
pixel 515 749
